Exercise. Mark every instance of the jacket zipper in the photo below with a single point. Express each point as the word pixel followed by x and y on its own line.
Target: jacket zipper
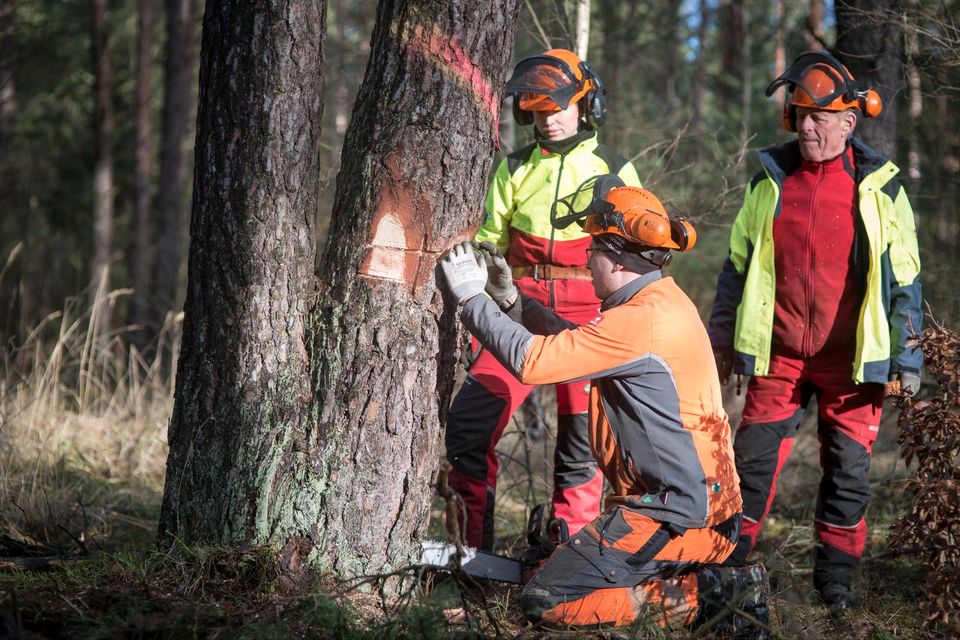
pixel 807 344
pixel 556 196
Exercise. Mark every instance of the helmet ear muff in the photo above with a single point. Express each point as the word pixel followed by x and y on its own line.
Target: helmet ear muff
pixel 521 116
pixel 595 102
pixel 659 258
pixel 789 116
pixel 683 234
pixel 870 103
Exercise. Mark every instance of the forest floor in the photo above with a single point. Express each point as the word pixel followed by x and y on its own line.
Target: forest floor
pixel 82 454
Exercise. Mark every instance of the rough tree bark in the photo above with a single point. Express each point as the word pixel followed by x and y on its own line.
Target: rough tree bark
pixel 414 171
pixel 323 440
pixel 142 249
pixel 175 142
pixel 236 440
pixel 868 43
pixel 103 127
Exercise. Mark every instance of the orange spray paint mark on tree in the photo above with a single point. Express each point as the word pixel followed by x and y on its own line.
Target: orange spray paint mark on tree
pixel 402 224
pixel 445 52
pixel 399 233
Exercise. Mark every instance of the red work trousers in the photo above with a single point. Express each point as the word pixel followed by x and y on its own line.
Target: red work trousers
pixel 849 419
pixel 475 422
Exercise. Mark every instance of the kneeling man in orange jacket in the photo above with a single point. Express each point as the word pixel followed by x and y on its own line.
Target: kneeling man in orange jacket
pixel 658 429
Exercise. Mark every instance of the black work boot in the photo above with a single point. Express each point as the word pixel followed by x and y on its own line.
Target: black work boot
pixel 733 601
pixel 837 596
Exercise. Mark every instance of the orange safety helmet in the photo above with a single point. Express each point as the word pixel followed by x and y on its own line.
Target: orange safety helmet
pixel 819 81
pixel 552 81
pixel 603 205
pixel 641 218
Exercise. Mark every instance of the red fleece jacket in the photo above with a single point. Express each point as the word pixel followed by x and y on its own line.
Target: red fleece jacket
pixel 818 296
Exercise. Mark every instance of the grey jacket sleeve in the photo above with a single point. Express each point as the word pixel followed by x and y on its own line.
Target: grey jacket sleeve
pixel 538 318
pixel 507 340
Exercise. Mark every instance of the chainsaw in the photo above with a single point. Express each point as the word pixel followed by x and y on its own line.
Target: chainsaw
pixel 484 565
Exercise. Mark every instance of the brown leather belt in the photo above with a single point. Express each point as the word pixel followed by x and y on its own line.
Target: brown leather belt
pixel 552 272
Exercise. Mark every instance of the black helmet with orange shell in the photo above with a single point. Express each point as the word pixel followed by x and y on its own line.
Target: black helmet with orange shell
pixel 819 81
pixel 552 81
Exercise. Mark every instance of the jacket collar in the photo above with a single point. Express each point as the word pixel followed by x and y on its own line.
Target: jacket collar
pixel 783 160
pixel 627 291
pixel 566 145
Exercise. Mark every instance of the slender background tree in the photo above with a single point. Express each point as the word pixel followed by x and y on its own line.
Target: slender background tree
pixel 103 126
pixel 140 258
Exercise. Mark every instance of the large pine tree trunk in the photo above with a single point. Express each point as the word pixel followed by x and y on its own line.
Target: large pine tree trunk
pixel 414 172
pixel 324 441
pixel 103 127
pixel 238 449
pixel 142 249
pixel 868 43
pixel 175 142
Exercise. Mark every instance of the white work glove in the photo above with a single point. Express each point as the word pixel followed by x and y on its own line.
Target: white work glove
pixel 500 285
pixel 464 272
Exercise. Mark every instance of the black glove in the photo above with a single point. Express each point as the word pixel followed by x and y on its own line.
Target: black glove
pixel 499 276
pixel 724 359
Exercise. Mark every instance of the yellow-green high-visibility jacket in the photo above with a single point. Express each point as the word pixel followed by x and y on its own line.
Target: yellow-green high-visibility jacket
pixel 523 190
pixel 885 253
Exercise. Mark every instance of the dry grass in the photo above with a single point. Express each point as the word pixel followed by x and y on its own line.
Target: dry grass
pixel 82 452
pixel 83 423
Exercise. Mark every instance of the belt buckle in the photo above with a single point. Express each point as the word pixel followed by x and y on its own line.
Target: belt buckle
pixel 536 273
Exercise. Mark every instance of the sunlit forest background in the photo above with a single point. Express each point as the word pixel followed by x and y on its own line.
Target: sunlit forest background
pixel 97 125
pixel 685 82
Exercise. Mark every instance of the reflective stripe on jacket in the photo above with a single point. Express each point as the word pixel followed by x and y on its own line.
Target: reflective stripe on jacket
pixel 658 428
pixel 885 253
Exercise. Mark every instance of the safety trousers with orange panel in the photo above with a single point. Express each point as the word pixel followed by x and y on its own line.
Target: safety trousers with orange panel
pixel 626 566
pixel 849 418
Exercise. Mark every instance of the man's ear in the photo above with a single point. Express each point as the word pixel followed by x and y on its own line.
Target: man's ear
pixel 848 121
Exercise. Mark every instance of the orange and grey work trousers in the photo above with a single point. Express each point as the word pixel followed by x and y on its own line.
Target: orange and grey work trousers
pixel 475 422
pixel 626 566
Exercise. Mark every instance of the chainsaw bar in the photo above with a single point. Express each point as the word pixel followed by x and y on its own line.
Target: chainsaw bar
pixel 473 562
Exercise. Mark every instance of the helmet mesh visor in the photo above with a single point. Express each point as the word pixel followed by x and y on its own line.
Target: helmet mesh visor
pixel 543 75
